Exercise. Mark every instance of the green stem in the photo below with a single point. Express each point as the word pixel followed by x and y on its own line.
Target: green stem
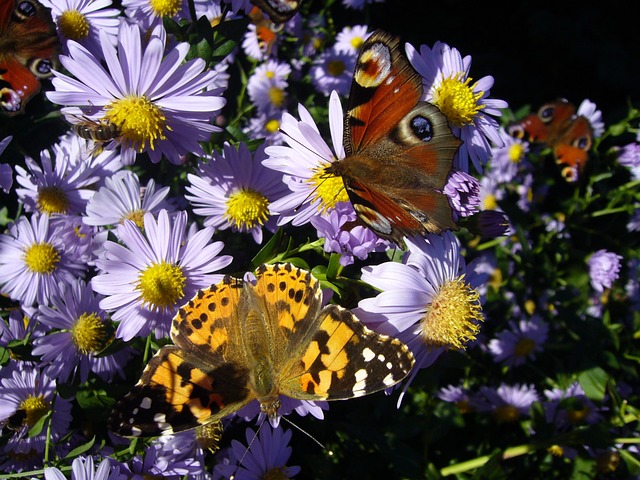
pixel 478 462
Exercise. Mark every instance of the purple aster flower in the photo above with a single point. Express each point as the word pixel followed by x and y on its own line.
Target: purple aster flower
pixel 287 405
pixel 464 193
pixel 509 160
pixel 359 4
pixel 634 221
pixel 26 395
pixel 267 456
pixel 267 86
pixel 81 241
pixel 520 342
pixel 34 263
pixel 570 407
pixel 458 395
pixel 507 403
pixel 430 301
pixel 83 331
pixel 589 110
pixel 152 273
pixel 604 269
pixel 234 190
pixel 21 326
pixel 82 20
pixel 467 106
pixel 344 236
pixel 303 164
pixel 122 198
pixel 149 13
pixel 351 38
pixel 267 126
pixel 158 104
pixel 333 70
pixel 82 469
pixel 629 156
pixel 6 172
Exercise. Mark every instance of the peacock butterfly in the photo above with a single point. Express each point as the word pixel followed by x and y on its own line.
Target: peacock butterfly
pixel 279 11
pixel 28 52
pixel 399 149
pixel 557 125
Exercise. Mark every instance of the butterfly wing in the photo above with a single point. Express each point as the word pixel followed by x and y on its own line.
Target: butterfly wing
pixel 279 11
pixel 572 147
pixel 546 125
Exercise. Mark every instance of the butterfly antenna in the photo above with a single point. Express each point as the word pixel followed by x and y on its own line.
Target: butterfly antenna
pixel 246 451
pixel 300 429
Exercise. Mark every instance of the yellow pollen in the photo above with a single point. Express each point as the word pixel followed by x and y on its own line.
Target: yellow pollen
pixel 556 450
pixel 161 285
pixel 577 413
pixel 506 413
pixel 276 96
pixel 165 8
pixel 35 408
pixel 490 202
pixel 52 200
pixel 41 258
pixel 247 209
pixel 329 189
pixel 335 68
pixel 276 473
pixel 137 217
pixel 138 120
pixel 457 101
pixel 89 333
pixel 272 126
pixel 524 347
pixel 78 233
pixel 516 152
pixel 529 306
pixel 356 42
pixel 495 279
pixel 270 74
pixel 451 320
pixel 73 25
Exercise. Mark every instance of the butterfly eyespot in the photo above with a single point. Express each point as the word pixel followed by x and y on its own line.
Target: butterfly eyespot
pixel 516 131
pixel 25 9
pixel 41 67
pixel 583 143
pixel 422 127
pixel 546 113
pixel 570 174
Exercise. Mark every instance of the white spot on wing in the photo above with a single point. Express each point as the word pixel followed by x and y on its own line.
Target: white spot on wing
pixel 146 403
pixel 389 380
pixel 368 354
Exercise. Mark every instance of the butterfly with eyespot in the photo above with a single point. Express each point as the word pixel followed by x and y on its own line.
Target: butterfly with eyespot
pixel 399 149
pixel 279 11
pixel 28 52
pixel 558 126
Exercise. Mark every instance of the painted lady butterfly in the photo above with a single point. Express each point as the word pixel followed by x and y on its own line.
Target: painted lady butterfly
pixel 238 341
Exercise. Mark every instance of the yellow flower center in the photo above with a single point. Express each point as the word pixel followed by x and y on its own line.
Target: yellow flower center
pixel 35 408
pixel 89 333
pixel 209 435
pixel 41 258
pixel 529 306
pixel 490 202
pixel 495 279
pixel 276 96
pixel 451 320
pixel 577 413
pixel 73 25
pixel 247 209
pixel 52 200
pixel 165 8
pixel 516 152
pixel 270 74
pixel 356 42
pixel 137 217
pixel 506 413
pixel 161 285
pixel 524 347
pixel 276 473
pixel 335 68
pixel 457 101
pixel 272 125
pixel 328 188
pixel 556 450
pixel 138 120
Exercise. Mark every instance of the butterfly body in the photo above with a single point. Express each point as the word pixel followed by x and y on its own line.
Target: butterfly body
pixel 28 52
pixel 237 342
pixel 279 11
pixel 558 126
pixel 399 149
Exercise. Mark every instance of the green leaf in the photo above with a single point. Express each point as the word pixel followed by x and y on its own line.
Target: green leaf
pixel 594 383
pixel 39 425
pixel 81 448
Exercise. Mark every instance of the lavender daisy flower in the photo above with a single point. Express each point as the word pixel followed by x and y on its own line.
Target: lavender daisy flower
pixel 34 263
pixel 463 191
pixel 235 190
pixel 287 405
pixel 21 326
pixel 82 20
pixel 604 269
pixel 82 468
pixel 6 173
pixel 267 457
pixel 122 198
pixel 333 70
pixel 589 110
pixel 509 160
pixel 267 126
pixel 147 277
pixel 267 86
pixel 158 104
pixel 447 84
pixel 570 407
pixel 303 164
pixel 430 301
pixel 629 157
pixel 351 38
pixel 83 332
pixel 459 396
pixel 149 13
pixel 508 403
pixel 27 394
pixel 634 221
pixel 520 342
pixel 342 235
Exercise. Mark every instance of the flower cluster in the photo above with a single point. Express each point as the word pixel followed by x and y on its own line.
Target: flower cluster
pixel 180 141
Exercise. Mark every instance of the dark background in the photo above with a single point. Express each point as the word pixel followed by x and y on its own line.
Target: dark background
pixel 536 51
